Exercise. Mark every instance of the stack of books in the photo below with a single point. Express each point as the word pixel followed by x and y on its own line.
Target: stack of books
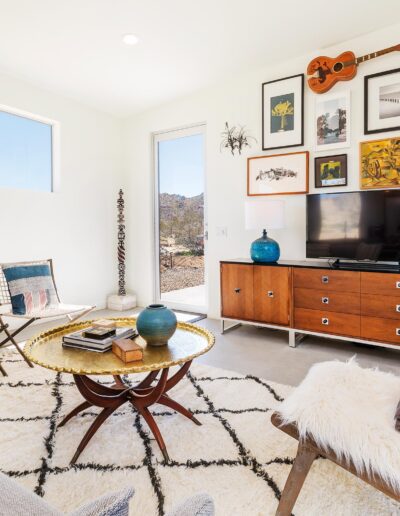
pixel 97 338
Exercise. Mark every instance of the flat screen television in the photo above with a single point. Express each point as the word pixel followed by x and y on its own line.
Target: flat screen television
pixel 354 225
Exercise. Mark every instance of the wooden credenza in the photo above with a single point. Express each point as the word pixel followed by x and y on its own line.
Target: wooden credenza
pixel 311 298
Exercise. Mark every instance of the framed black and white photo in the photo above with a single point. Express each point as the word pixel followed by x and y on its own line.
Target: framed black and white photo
pixel 332 121
pixel 279 174
pixel 382 102
pixel 283 113
pixel 330 171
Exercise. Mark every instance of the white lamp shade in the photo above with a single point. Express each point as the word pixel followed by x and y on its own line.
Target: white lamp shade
pixel 261 214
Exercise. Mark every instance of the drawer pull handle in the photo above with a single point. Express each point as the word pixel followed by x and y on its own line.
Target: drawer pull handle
pixel 325 279
pixel 325 300
pixel 398 332
pixel 397 308
pixel 270 293
pixel 237 290
pixel 325 321
pixel 397 284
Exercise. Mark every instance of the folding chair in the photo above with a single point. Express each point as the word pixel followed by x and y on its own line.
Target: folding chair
pixel 71 312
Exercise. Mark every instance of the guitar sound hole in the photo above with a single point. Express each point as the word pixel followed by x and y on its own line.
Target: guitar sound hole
pixel 337 67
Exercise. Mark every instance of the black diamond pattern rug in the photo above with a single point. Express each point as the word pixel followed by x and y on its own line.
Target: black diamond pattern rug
pixel 237 456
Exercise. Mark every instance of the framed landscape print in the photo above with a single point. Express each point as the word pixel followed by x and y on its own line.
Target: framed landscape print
pixel 382 102
pixel 283 112
pixel 331 171
pixel 278 174
pixel 380 163
pixel 332 121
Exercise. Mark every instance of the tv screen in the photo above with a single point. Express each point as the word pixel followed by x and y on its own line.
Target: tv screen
pixel 354 225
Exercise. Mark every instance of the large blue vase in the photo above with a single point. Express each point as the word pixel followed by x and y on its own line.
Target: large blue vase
pixel 156 324
pixel 265 249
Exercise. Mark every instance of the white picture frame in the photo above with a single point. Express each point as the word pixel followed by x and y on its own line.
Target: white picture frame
pixel 332 121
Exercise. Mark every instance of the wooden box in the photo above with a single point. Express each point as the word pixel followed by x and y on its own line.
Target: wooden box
pixel 127 350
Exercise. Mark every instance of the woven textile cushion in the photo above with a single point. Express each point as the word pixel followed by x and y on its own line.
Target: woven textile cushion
pixel 350 410
pixel 17 501
pixel 31 287
pixel 198 505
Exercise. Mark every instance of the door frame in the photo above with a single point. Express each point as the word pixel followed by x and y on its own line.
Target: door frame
pixel 178 132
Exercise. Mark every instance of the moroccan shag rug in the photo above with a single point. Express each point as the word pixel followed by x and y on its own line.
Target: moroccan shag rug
pixel 237 455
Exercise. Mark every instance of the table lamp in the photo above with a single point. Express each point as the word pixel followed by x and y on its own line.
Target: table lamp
pixel 261 214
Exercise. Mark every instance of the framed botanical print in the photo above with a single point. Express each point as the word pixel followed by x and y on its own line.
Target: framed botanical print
pixel 382 102
pixel 278 174
pixel 332 121
pixel 380 163
pixel 330 171
pixel 283 113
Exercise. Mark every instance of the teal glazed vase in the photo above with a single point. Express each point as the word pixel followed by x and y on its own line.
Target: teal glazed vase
pixel 156 324
pixel 265 250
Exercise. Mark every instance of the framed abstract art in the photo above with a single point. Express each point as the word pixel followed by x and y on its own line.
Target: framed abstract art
pixel 279 174
pixel 330 171
pixel 380 163
pixel 283 113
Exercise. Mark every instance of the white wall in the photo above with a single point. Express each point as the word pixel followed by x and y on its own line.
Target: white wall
pixel 76 226
pixel 237 101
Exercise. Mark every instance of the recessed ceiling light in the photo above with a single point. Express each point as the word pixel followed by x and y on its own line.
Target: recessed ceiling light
pixel 130 39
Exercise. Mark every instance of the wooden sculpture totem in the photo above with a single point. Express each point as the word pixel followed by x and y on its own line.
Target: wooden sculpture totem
pixel 121 244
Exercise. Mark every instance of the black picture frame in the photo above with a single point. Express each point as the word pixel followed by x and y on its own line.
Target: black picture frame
pixel 342 158
pixel 301 112
pixel 368 78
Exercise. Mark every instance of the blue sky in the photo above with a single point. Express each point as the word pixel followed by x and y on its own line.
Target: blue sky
pixel 181 165
pixel 25 153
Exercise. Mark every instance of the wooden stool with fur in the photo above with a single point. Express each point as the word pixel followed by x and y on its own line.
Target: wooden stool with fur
pixel 347 415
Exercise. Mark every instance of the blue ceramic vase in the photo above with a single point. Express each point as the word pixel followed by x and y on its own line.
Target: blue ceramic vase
pixel 265 249
pixel 156 324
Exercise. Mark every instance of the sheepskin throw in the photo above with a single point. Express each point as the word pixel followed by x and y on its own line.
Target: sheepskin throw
pixel 237 456
pixel 350 410
pixel 397 417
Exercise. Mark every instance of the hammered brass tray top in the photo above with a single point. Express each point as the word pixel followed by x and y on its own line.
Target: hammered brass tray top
pixel 45 349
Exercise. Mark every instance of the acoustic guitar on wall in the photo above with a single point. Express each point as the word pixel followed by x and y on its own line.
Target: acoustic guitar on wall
pixel 324 72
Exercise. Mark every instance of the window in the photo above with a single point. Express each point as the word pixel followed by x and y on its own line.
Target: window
pixel 26 152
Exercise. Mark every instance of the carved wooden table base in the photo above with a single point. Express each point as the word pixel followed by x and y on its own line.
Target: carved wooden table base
pixel 141 396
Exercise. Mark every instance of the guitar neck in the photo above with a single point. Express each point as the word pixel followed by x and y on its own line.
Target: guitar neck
pixel 367 57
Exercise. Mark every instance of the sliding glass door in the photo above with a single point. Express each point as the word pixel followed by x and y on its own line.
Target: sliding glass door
pixel 180 228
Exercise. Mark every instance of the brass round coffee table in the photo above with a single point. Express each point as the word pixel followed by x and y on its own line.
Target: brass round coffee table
pixel 188 342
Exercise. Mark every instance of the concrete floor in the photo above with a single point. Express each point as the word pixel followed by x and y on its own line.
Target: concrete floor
pixel 265 353
pixel 191 296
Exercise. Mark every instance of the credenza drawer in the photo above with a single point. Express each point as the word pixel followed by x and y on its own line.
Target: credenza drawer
pixel 387 307
pixel 330 301
pixel 380 283
pixel 326 279
pixel 381 330
pixel 327 322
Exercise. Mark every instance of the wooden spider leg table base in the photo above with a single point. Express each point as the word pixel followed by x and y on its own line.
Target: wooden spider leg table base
pixel 141 396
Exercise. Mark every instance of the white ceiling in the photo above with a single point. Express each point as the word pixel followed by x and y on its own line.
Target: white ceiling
pixel 74 47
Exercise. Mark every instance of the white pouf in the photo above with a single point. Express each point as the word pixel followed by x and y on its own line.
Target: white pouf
pixel 121 303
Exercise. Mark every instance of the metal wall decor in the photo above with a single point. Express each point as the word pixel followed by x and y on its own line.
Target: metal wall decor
pixel 121 244
pixel 235 139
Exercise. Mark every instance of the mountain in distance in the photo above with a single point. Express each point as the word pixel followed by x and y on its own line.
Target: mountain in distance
pixel 182 218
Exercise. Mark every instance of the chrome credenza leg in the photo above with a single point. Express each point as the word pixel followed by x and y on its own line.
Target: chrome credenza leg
pixel 229 328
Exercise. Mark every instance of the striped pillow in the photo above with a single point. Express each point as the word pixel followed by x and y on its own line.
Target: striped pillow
pixel 31 287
